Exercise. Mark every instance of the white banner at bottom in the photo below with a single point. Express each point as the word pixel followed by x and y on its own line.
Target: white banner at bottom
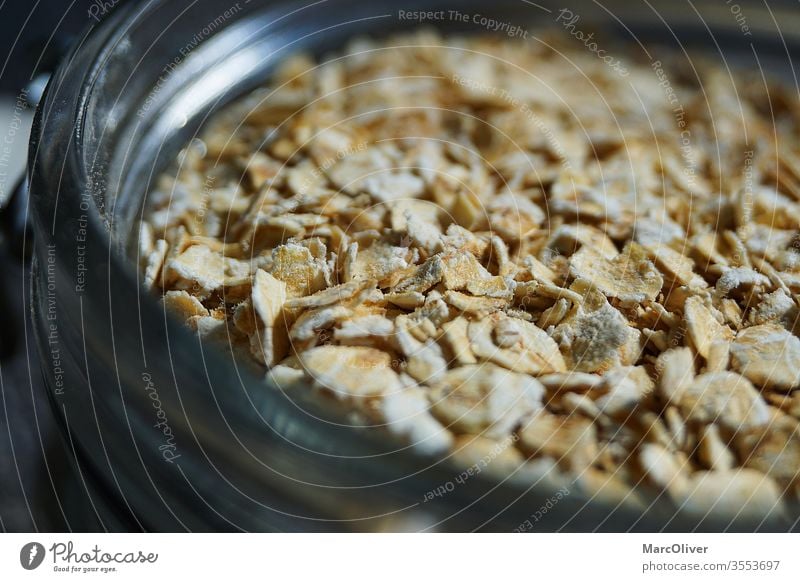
pixel 390 557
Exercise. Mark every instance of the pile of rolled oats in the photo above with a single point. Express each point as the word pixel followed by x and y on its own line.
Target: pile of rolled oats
pixel 491 245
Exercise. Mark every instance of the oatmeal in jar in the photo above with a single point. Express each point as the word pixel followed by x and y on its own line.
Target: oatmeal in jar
pixel 493 245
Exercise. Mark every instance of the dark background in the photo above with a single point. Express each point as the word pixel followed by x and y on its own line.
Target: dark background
pixel 25 30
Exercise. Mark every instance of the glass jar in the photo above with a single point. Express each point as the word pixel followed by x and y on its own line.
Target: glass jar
pixel 170 433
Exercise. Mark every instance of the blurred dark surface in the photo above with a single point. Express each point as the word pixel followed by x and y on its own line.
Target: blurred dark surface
pixel 29 27
pixel 32 458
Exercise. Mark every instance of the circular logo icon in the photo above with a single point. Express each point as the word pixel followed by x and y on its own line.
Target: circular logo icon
pixel 31 555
